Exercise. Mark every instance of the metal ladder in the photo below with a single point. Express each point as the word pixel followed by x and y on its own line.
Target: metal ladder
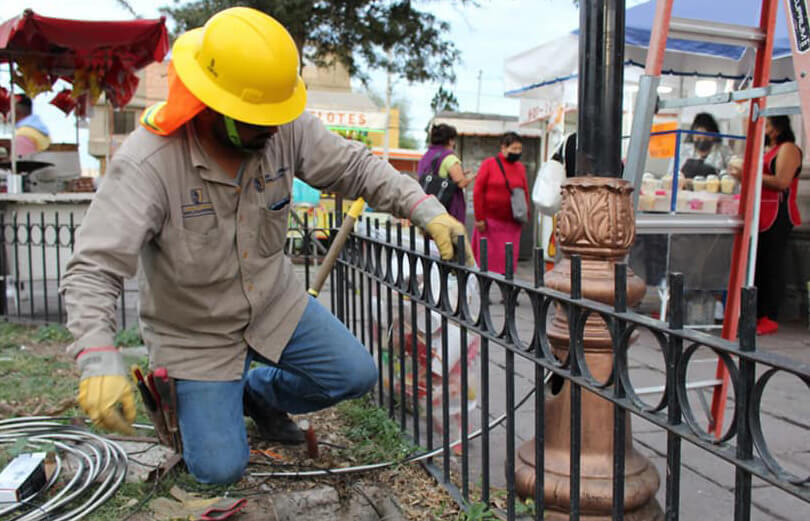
pixel 647 104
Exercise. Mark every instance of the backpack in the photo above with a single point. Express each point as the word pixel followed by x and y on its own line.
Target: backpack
pixel 432 183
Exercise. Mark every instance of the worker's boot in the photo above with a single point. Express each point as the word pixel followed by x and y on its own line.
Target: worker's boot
pixel 273 424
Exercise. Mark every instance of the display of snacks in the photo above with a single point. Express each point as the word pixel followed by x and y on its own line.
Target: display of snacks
pixel 712 194
pixel 666 182
pixel 728 184
pixel 712 184
pixel 650 183
pixel 659 201
pixel 735 164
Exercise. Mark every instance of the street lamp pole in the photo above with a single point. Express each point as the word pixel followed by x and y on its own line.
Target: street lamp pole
pixel 601 73
pixel 597 223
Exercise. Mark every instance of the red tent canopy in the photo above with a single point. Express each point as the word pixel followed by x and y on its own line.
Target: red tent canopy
pixel 92 55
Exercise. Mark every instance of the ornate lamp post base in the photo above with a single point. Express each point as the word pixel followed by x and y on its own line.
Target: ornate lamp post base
pixel 597 222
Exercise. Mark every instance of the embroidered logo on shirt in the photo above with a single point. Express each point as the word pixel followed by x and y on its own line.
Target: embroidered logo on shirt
pixel 198 207
pixel 278 175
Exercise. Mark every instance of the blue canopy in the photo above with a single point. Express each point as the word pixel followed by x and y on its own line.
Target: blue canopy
pixel 639 21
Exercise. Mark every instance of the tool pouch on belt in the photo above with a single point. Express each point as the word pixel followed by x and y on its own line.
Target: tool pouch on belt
pixel 165 415
pixel 174 425
pixel 161 429
pixel 168 397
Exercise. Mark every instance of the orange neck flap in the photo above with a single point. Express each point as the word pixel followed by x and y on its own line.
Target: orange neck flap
pixel 167 116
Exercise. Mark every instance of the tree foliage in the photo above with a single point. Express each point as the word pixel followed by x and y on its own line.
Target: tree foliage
pixel 444 100
pixel 124 4
pixel 361 34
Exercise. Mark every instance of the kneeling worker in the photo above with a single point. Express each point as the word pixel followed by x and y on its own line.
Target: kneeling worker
pixel 199 197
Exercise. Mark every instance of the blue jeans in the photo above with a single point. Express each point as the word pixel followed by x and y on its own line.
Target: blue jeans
pixel 322 365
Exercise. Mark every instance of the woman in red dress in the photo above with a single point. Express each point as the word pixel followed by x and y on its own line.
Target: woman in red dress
pixel 492 201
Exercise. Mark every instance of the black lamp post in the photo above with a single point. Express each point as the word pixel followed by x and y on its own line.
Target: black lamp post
pixel 601 77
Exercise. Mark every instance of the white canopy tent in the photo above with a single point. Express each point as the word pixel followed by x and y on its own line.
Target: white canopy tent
pixel 545 77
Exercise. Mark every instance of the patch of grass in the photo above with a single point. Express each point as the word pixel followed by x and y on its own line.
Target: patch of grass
pixel 522 508
pixel 129 337
pixel 42 375
pixel 52 334
pixel 12 335
pixel 27 376
pixel 124 501
pixel 375 436
pixel 441 511
pixel 477 512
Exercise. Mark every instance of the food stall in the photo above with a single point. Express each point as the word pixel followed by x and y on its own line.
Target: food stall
pixel 673 215
pixel 93 58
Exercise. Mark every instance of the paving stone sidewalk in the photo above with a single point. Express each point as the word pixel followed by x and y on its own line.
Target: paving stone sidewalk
pixel 707 482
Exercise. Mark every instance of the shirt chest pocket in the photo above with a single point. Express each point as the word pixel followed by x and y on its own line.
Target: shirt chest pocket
pixel 273 224
pixel 274 212
pixel 200 259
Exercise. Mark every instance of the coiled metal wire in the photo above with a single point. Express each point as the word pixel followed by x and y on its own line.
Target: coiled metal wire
pixel 100 468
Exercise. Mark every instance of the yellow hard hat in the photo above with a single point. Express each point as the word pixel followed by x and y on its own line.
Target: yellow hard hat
pixel 243 64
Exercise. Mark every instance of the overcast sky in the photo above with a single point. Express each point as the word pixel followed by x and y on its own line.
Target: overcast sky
pixel 485 35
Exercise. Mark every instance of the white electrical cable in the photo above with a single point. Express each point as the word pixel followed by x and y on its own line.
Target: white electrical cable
pixel 412 459
pixel 101 467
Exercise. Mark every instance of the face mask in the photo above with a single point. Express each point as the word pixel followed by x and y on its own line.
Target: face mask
pixel 703 146
pixel 236 141
pixel 513 156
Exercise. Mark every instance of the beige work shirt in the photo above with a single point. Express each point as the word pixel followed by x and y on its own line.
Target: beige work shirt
pixel 213 276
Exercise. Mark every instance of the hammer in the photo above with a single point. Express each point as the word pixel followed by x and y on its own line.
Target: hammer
pixel 337 245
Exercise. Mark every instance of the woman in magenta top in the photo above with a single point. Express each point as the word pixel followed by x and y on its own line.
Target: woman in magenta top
pixel 442 152
pixel 493 208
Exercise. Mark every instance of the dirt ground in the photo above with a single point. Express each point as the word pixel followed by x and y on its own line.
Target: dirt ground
pixel 38 378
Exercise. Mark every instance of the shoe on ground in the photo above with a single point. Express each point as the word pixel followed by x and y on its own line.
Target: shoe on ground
pixel 766 326
pixel 274 425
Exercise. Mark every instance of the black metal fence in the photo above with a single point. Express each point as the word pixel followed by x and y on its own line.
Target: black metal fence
pixel 378 293
pixel 394 294
pixel 36 247
pixel 35 252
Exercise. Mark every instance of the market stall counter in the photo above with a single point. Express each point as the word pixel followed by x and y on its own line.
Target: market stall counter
pixel 687 214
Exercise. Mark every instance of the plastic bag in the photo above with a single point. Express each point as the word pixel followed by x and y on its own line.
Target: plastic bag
pixel 394 344
pixel 546 190
pixel 434 365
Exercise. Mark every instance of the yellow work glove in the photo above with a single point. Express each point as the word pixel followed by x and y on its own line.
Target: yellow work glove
pixel 445 230
pixel 105 393
pixel 429 214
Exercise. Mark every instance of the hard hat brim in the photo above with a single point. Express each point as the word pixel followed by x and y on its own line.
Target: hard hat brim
pixel 212 95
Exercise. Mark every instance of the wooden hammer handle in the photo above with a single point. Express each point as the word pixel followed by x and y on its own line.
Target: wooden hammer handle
pixel 337 245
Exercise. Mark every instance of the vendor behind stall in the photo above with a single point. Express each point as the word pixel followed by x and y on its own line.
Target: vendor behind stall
pixel 704 155
pixel 31 135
